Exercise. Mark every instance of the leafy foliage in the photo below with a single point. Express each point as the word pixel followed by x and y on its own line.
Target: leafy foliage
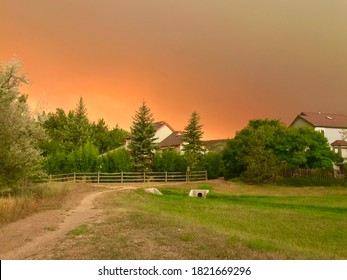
pixel 20 134
pixel 264 147
pixel 74 142
pixel 106 139
pixel 116 161
pixel 306 148
pixel 142 146
pixel 169 160
pixel 84 159
pixel 213 164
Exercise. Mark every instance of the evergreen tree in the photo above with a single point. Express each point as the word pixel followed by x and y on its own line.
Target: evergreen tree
pixel 192 134
pixel 142 145
pixel 81 110
pixel 78 127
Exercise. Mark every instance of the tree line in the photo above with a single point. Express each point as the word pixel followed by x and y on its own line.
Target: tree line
pixel 74 144
pixel 32 145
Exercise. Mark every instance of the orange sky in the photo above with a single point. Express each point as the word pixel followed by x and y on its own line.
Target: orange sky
pixel 230 60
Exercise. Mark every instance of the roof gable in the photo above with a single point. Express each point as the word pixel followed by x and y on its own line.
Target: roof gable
pixel 160 124
pixel 323 119
pixel 339 143
pixel 174 139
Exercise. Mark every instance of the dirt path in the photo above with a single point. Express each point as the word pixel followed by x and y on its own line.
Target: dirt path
pixel 35 236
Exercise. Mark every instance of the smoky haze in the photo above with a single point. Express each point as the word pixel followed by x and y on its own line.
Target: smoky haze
pixel 231 61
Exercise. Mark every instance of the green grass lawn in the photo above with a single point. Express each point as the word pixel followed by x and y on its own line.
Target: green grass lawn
pixel 234 222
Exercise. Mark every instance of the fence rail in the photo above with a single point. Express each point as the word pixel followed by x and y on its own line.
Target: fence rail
pixel 130 177
pixel 313 173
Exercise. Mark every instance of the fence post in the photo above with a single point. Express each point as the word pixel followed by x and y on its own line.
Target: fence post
pixel 206 177
pixel 144 176
pixel 74 177
pixel 121 176
pixel 50 178
pixel 98 177
pixel 165 176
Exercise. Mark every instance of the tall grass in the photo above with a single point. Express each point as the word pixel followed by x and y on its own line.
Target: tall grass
pixel 33 199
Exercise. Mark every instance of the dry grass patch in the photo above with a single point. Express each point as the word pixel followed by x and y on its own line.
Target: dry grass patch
pixel 40 197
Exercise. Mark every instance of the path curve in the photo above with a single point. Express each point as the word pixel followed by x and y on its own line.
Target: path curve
pixel 37 234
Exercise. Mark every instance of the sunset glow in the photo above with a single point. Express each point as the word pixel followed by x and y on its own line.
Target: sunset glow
pixel 231 61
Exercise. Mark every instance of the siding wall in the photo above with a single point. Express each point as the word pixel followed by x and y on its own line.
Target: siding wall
pixel 332 134
pixel 162 133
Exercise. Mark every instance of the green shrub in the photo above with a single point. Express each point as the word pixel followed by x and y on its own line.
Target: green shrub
pixel 84 159
pixel 169 160
pixel 212 163
pixel 116 161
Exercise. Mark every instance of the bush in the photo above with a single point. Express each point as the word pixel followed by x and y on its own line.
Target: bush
pixel 262 167
pixel 57 163
pixel 84 159
pixel 169 160
pixel 232 157
pixel 212 163
pixel 116 161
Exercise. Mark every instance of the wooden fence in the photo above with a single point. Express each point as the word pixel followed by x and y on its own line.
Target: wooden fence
pixel 312 173
pixel 130 177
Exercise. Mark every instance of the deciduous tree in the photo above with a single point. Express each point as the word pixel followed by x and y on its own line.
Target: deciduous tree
pixel 260 150
pixel 20 133
pixel 72 134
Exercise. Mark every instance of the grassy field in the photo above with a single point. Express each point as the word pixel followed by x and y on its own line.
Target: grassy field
pixel 234 222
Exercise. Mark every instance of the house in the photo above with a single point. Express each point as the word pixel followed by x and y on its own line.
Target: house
pixel 166 137
pixel 340 146
pixel 215 145
pixel 169 138
pixel 331 125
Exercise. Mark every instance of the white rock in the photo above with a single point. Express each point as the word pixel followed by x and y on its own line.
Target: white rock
pixel 153 191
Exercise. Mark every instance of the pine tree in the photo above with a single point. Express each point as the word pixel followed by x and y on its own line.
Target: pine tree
pixel 192 134
pixel 81 110
pixel 78 127
pixel 142 145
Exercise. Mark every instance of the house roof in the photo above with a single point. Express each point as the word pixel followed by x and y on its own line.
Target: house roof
pixel 160 124
pixel 174 139
pixel 323 119
pixel 215 144
pixel 157 126
pixel 339 143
